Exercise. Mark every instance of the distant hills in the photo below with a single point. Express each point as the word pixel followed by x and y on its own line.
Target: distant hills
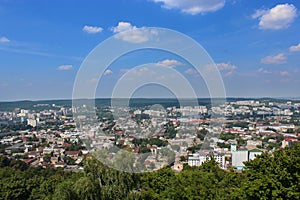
pixel 134 102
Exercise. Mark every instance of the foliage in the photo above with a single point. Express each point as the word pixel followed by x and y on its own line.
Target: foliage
pixel 202 133
pixel 170 131
pixel 269 176
pixel 223 145
pixel 152 141
pixel 273 176
pixel 227 136
pixel 194 148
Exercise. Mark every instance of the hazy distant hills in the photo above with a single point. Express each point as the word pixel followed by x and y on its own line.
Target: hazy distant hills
pixel 134 102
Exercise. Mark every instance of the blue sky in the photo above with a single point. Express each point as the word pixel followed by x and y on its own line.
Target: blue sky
pixel 255 44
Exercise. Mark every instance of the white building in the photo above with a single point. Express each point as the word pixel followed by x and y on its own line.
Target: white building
pixel 32 122
pixel 197 159
pixel 253 153
pixel 238 157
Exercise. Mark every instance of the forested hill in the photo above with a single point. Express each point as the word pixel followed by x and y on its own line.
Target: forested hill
pixel 274 176
pixel 134 102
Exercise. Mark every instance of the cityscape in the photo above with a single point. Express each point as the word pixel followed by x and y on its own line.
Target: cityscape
pixel 47 135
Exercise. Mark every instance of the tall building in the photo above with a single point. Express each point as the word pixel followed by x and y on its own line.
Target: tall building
pixel 238 158
pixel 197 159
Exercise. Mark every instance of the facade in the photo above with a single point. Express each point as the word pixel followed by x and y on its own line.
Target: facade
pixel 197 159
pixel 32 122
pixel 238 157
pixel 253 153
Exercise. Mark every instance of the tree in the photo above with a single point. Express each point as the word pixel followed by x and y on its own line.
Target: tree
pixel 170 131
pixel 202 133
pixel 86 188
pixel 273 176
pixel 227 136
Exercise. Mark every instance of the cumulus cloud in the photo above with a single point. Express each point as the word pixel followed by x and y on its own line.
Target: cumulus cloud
pixel 129 33
pixel 108 71
pixel 191 71
pixel 276 59
pixel 264 71
pixel 123 26
pixel 283 73
pixel 279 17
pixel 192 7
pixel 227 69
pixel 258 13
pixel 226 66
pixel 4 40
pixel 170 63
pixel 92 29
pixel 295 48
pixel 64 67
pixel 230 73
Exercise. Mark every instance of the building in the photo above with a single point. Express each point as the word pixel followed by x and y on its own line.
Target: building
pixel 238 158
pixel 32 122
pixel 252 144
pixel 253 153
pixel 197 159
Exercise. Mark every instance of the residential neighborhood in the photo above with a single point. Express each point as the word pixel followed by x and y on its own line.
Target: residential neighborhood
pixel 231 133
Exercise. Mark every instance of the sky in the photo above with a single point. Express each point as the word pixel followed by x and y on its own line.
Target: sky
pixel 43 43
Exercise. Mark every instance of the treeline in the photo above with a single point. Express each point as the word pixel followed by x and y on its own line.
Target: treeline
pixel 274 176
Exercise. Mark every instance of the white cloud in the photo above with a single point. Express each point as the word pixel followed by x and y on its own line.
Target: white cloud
pixel 122 26
pixel 64 67
pixel 92 29
pixel 258 13
pixel 264 71
pixel 279 17
pixel 191 71
pixel 230 73
pixel 226 66
pixel 108 71
pixel 276 59
pixel 283 73
pixel 227 69
pixel 170 63
pixel 130 33
pixel 295 48
pixel 4 40
pixel 192 7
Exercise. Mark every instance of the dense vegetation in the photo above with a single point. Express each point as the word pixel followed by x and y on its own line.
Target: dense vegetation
pixel 134 102
pixel 274 176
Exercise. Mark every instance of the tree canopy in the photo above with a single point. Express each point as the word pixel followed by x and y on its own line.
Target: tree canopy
pixel 269 176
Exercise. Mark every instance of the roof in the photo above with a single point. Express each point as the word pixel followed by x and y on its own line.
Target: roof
pixel 72 152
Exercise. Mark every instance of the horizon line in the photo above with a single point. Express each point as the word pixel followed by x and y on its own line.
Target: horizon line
pixel 146 98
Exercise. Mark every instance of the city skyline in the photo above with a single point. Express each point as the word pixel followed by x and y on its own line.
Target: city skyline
pixel 43 43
